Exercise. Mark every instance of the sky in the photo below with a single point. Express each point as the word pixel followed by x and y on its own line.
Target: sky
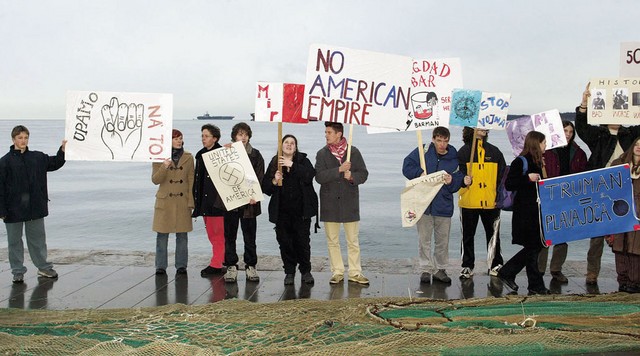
pixel 210 53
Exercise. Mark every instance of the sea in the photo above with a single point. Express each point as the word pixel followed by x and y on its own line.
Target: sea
pixel 109 205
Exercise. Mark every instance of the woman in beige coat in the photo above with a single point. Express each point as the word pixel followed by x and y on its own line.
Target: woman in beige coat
pixel 174 203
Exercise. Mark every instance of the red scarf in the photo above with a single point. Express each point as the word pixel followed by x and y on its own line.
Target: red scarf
pixel 339 149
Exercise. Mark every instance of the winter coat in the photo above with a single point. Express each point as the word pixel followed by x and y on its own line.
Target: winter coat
pixel 174 199
pixel 339 198
pixel 629 242
pixel 601 142
pixel 488 168
pixel 207 200
pixel 257 162
pixel 442 204
pixel 300 176
pixel 23 184
pixel 577 160
pixel 525 219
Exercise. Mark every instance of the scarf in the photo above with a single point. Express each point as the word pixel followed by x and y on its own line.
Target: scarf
pixel 176 153
pixel 339 149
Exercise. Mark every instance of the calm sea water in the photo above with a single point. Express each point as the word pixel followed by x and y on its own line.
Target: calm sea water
pixel 104 205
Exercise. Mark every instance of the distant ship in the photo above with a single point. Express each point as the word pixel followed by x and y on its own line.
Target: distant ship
pixel 209 117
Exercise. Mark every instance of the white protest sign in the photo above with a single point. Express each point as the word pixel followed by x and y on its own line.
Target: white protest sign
pixel 417 195
pixel 475 108
pixel 279 102
pixel 614 101
pixel 630 59
pixel 357 87
pixel 549 123
pixel 233 176
pixel 116 126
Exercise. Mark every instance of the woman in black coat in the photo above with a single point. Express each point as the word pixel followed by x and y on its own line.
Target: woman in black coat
pixel 292 205
pixel 526 215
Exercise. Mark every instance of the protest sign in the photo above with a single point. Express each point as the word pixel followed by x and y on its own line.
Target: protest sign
pixel 357 87
pixel 479 109
pixel 630 59
pixel 279 102
pixel 614 101
pixel 233 176
pixel 115 126
pixel 549 123
pixel 588 204
pixel 417 195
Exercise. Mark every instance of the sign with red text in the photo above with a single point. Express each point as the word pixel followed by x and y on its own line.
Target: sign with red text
pixel 479 109
pixel 548 122
pixel 614 101
pixel 357 87
pixel 279 102
pixel 630 59
pixel 233 176
pixel 116 126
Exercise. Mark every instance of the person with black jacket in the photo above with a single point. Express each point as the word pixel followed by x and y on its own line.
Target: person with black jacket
pixel 292 205
pixel 606 143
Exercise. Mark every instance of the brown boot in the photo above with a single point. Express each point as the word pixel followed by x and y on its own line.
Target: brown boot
pixel 592 278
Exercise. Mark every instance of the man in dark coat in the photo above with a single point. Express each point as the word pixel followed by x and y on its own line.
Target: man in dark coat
pixel 24 202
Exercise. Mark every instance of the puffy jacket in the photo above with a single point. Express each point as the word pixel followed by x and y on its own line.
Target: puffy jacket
pixel 23 184
pixel 488 168
pixel 442 204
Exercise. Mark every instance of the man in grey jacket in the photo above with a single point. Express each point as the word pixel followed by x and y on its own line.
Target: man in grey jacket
pixel 339 179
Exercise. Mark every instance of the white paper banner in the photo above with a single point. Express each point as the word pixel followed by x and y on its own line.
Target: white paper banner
pixel 614 101
pixel 417 195
pixel 630 59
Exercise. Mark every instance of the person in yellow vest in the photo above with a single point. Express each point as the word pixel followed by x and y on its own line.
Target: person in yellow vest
pixel 478 201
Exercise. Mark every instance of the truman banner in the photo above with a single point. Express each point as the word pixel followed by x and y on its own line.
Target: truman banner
pixel 588 204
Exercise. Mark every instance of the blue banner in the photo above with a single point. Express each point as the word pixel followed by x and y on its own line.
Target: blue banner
pixel 588 204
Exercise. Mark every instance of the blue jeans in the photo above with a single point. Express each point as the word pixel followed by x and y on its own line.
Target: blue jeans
pixel 36 243
pixel 182 250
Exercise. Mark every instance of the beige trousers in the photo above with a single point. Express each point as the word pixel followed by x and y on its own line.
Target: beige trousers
pixel 351 230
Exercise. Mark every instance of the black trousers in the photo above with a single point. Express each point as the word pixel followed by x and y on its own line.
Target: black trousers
pixel 232 219
pixel 294 240
pixel 491 223
pixel 525 258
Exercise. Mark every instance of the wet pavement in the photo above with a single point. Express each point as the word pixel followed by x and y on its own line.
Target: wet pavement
pixel 108 279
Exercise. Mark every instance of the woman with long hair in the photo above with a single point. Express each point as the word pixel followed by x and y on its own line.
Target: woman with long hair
pixel 526 215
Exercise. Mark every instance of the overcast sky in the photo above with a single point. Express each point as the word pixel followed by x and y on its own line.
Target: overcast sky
pixel 210 53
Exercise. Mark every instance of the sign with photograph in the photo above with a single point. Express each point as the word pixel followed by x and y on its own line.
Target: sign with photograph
pixel 279 102
pixel 614 101
pixel 549 123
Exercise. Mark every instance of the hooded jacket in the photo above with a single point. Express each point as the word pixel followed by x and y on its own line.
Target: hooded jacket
pixel 488 168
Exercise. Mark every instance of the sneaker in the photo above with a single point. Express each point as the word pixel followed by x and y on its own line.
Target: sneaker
pixel 441 276
pixel 232 274
pixel 336 278
pixel 209 271
pixel 466 273
pixel 252 274
pixel 560 277
pixel 181 270
pixel 307 278
pixel 509 282
pixel 160 271
pixel 49 273
pixel 494 271
pixel 18 278
pixel 359 278
pixel 425 277
pixel 289 279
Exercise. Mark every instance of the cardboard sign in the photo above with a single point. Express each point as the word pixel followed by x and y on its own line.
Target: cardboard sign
pixel 630 59
pixel 114 126
pixel 614 101
pixel 549 123
pixel 233 176
pixel 479 109
pixel 588 204
pixel 357 87
pixel 279 102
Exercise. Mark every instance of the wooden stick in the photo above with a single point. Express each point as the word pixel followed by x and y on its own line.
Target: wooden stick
pixel 349 143
pixel 279 151
pixel 423 164
pixel 473 152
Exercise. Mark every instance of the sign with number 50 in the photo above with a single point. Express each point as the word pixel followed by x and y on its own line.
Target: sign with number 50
pixel 630 59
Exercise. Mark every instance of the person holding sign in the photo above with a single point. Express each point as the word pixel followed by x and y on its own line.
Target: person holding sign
pixel 559 162
pixel 208 203
pixel 24 202
pixel 526 215
pixel 339 179
pixel 292 205
pixel 626 246
pixel 606 143
pixel 174 203
pixel 245 216
pixel 436 219
pixel 478 201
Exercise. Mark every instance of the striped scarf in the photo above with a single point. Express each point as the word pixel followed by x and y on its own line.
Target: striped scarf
pixel 339 149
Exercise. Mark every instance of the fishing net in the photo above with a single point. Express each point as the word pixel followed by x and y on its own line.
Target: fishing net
pixel 382 326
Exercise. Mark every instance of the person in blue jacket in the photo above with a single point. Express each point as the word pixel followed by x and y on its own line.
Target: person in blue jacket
pixel 436 220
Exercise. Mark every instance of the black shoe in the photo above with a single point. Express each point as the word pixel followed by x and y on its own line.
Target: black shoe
pixel 160 271
pixel 181 270
pixel 307 278
pixel 289 279
pixel 539 291
pixel 509 282
pixel 210 271
pixel 425 278
pixel 628 288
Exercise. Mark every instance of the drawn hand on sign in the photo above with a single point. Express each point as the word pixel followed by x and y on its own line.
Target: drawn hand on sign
pixel 122 130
